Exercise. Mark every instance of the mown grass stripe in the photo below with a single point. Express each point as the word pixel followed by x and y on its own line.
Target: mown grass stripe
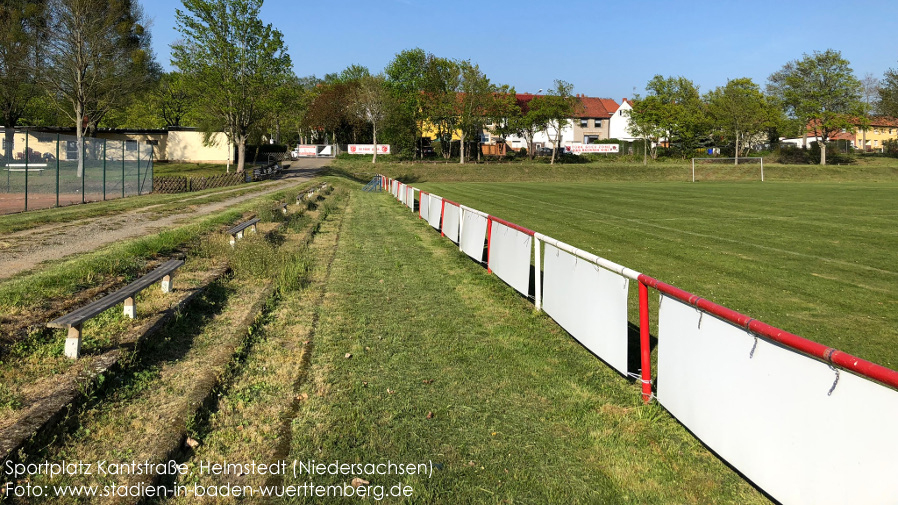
pixel 521 412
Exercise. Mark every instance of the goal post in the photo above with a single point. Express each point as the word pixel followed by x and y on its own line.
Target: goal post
pixel 735 162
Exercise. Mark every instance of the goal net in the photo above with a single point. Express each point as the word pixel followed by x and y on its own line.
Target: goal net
pixel 728 169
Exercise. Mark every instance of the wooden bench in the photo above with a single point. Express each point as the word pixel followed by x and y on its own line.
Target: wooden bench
pixel 237 231
pixel 74 320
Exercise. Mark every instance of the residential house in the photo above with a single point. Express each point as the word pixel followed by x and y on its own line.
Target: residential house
pixel 595 119
pixel 873 138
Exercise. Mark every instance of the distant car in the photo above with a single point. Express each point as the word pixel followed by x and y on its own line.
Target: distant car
pixel 545 151
pixel 425 151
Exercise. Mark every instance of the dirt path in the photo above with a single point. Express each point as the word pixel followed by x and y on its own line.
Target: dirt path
pixel 24 250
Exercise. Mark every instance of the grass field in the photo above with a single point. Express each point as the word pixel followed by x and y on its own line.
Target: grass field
pixel 816 259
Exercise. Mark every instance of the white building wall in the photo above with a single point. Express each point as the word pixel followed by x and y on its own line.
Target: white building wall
pixel 620 123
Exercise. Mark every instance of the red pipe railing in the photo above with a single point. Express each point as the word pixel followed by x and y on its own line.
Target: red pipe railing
pixel 844 360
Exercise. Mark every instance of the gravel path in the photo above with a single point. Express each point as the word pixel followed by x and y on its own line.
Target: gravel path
pixel 21 251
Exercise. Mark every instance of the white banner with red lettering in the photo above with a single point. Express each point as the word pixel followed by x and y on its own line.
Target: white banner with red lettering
pixel 800 430
pixel 589 302
pixel 307 150
pixel 367 149
pixel 509 256
pixel 592 148
pixel 451 221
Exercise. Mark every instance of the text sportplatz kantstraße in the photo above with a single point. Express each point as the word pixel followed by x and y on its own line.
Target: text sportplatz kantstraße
pixel 299 478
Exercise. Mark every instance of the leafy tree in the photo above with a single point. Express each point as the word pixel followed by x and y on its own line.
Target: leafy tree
pixel 442 84
pixel 820 89
pixel 738 111
pixel 682 111
pixel 888 94
pixel 475 102
pixel 555 111
pixel 233 62
pixel 647 120
pixel 21 55
pixel 98 54
pixel 405 79
pixel 371 102
pixel 520 119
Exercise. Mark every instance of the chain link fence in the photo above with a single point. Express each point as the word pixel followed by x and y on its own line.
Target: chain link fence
pixel 40 170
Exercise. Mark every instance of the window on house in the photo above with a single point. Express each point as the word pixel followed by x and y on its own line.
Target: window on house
pixel 584 123
pixel 598 123
pixel 130 145
pixel 153 142
pixel 588 139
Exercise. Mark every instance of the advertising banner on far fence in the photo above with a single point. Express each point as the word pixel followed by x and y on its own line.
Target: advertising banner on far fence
pixel 589 302
pixel 801 431
pixel 451 221
pixel 367 148
pixel 307 150
pixel 579 149
pixel 473 234
pixel 510 253
pixel 424 205
pixel 435 214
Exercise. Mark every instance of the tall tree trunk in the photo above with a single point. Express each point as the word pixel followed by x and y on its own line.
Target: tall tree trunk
pixel 241 153
pixel 822 152
pixel 461 148
pixel 737 147
pixel 79 135
pixel 374 134
pixel 645 152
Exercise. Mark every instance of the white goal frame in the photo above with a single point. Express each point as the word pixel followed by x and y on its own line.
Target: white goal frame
pixel 735 162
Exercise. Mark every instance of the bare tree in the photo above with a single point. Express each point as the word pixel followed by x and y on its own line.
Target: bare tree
pixel 97 55
pixel 370 102
pixel 869 94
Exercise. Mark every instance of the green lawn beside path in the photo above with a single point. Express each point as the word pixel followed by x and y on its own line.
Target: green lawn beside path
pixel 420 356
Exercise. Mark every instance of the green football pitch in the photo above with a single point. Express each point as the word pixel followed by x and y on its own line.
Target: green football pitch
pixel 816 259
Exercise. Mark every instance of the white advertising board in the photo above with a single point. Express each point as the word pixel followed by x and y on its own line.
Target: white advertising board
pixel 510 253
pixel 473 235
pixel 307 150
pixel 767 411
pixel 367 148
pixel 410 197
pixel 451 221
pixel 435 214
pixel 424 205
pixel 592 148
pixel 589 302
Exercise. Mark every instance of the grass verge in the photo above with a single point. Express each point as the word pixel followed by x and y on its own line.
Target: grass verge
pixel 421 357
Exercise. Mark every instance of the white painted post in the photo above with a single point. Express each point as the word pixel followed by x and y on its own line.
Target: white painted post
pixel 129 307
pixel 693 169
pixel 166 284
pixel 73 342
pixel 537 268
pixel 762 169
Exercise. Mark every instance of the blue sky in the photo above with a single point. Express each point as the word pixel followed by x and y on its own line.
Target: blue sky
pixel 606 49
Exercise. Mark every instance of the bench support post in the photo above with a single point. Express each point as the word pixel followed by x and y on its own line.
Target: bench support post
pixel 166 284
pixel 129 307
pixel 254 227
pixel 73 342
pixel 233 241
